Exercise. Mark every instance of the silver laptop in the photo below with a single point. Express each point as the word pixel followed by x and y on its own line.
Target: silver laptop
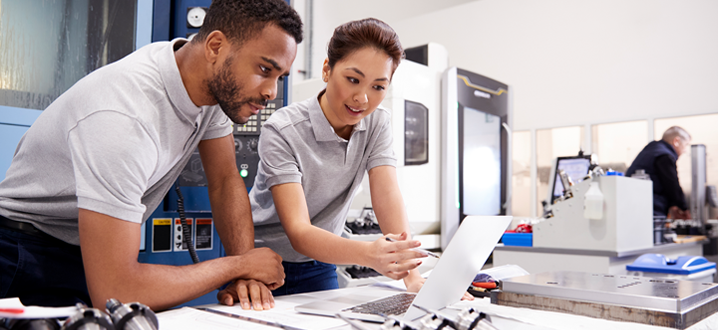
pixel 461 261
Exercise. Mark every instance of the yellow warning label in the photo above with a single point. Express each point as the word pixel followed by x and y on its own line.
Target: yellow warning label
pixel 161 222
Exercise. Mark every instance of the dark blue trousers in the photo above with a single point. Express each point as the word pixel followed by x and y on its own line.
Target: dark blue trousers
pixel 41 271
pixel 307 277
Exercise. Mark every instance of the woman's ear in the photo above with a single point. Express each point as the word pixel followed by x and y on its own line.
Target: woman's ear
pixel 326 70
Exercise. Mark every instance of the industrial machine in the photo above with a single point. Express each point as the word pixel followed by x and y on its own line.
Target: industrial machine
pixel 625 222
pixel 475 148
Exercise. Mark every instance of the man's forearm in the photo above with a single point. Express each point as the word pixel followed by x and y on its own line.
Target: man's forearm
pixel 233 215
pixel 227 195
pixel 162 286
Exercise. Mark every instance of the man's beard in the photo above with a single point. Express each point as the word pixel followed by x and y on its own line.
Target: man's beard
pixel 224 87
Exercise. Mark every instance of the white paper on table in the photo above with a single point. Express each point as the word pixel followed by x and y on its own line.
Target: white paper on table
pixel 34 312
pixel 505 271
pixel 284 314
pixel 188 318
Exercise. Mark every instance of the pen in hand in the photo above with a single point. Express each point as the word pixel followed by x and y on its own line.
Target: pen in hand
pixel 429 253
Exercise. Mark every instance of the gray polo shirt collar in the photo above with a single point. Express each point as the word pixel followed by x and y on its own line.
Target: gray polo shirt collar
pixel 323 130
pixel 173 84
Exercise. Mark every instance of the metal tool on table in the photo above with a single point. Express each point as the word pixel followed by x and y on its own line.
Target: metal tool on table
pixel 131 316
pixel 30 324
pixel 662 302
pixel 88 319
pixel 467 319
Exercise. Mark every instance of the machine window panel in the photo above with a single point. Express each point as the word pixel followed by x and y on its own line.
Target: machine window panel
pixel 702 129
pixel 49 45
pixel 616 145
pixel 552 143
pixel 521 176
pixel 481 163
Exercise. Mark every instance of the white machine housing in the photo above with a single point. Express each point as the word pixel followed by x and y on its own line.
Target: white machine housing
pixel 420 184
pixel 627 223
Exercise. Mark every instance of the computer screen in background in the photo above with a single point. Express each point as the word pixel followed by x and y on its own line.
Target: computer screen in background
pixel 576 168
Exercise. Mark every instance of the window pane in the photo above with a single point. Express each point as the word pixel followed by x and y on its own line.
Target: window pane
pixel 552 143
pixel 48 45
pixel 618 144
pixel 521 179
pixel 703 130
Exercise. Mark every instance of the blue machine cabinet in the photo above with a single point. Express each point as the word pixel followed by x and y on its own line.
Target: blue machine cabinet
pixel 161 242
pixel 162 20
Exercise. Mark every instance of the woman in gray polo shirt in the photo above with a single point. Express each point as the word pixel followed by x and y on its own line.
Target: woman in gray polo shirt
pixel 314 155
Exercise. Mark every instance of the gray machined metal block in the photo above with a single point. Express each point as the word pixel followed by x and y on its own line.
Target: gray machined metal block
pixel 664 302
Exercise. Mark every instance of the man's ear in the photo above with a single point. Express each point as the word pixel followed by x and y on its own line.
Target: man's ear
pixel 215 42
pixel 677 142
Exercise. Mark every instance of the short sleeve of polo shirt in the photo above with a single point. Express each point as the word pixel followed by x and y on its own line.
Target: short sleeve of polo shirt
pixel 278 161
pixel 382 152
pixel 113 157
pixel 220 125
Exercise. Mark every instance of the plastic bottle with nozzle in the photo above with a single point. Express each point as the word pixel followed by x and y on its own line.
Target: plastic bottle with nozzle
pixel 593 202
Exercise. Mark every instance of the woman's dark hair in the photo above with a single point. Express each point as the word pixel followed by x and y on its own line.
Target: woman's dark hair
pixel 242 20
pixel 368 32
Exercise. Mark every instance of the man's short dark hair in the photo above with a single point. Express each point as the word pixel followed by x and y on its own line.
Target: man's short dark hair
pixel 242 20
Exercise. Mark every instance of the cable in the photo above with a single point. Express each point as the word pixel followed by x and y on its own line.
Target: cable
pixel 186 234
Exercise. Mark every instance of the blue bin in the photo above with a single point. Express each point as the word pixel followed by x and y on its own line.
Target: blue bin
pixel 685 267
pixel 518 239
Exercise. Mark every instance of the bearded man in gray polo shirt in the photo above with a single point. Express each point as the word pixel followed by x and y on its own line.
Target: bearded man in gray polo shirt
pixel 100 159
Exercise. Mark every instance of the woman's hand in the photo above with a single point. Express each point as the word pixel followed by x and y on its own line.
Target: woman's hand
pixel 393 259
pixel 414 282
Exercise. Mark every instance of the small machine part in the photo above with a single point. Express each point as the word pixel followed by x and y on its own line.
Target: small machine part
pixel 467 319
pixel 435 322
pixel 597 171
pixel 641 174
pixel 357 271
pixel 567 183
pixel 131 316
pixel 365 224
pixel 88 319
pixel 391 323
pixel 395 324
pixel 32 324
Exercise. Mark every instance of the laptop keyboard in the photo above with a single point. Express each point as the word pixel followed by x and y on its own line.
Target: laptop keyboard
pixel 393 305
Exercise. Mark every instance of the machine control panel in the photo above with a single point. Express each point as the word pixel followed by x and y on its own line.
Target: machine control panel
pixel 246 137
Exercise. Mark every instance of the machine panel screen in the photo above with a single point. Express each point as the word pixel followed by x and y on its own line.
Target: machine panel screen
pixel 576 168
